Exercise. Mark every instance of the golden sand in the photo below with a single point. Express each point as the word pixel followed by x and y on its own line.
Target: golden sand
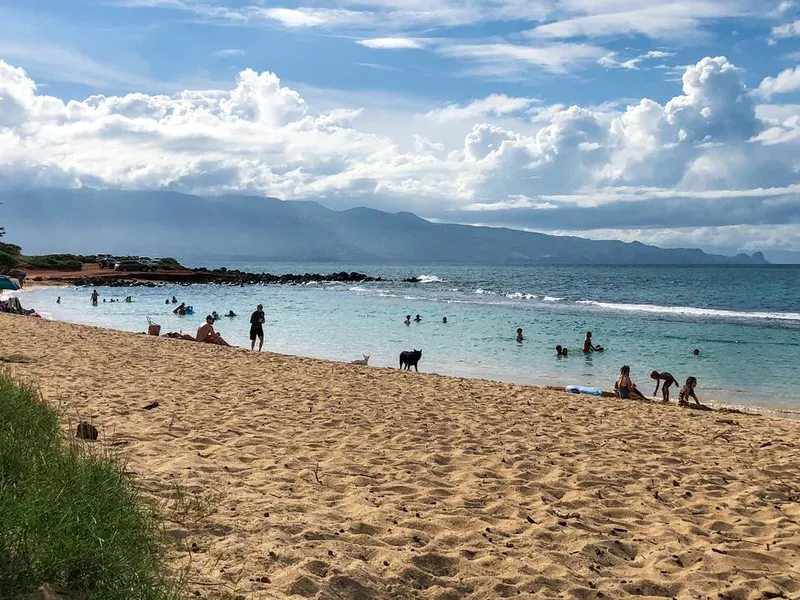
pixel 281 476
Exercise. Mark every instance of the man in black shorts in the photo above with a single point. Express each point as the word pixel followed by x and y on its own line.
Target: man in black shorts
pixel 257 328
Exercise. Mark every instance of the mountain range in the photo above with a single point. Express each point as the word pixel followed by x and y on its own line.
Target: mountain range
pixel 161 223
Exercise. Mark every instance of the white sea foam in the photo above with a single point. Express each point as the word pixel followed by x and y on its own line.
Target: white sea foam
pixel 521 296
pixel 552 299
pixel 357 288
pixel 428 279
pixel 482 292
pixel 691 311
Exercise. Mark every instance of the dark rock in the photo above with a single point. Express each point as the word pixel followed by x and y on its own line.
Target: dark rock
pixel 86 431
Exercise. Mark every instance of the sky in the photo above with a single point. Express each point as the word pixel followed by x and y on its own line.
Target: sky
pixel 675 122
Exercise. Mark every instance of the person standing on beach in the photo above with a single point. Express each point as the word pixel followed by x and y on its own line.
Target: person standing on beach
pixel 257 328
pixel 668 380
pixel 95 297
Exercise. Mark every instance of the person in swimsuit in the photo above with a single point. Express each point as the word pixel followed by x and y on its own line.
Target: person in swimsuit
pixel 181 309
pixel 257 328
pixel 520 337
pixel 207 335
pixel 668 380
pixel 624 387
pixel 687 391
pixel 408 320
pixel 95 298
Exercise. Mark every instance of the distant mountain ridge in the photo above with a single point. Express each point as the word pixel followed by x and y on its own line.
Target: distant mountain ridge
pixel 170 223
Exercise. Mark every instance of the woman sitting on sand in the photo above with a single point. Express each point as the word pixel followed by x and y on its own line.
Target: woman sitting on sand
pixel 624 387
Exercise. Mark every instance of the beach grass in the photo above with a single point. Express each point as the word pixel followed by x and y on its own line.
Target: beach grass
pixel 69 516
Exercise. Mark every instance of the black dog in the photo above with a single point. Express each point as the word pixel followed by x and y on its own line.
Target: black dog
pixel 410 359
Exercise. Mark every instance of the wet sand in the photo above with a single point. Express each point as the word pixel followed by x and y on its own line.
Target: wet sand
pixel 281 476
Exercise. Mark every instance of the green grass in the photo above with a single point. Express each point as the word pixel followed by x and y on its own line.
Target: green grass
pixel 65 262
pixel 69 516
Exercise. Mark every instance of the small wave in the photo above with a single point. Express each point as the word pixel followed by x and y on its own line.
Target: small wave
pixel 691 311
pixel 482 292
pixel 387 295
pixel 357 288
pixel 520 296
pixel 552 299
pixel 428 279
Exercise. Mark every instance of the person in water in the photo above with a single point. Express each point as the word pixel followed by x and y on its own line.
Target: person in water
pixel 687 391
pixel 231 314
pixel 696 352
pixel 408 320
pixel 58 300
pixel 417 319
pixel 561 352
pixel 207 335
pixel 444 320
pixel 95 297
pixel 257 328
pixel 667 379
pixel 624 387
pixel 174 300
pixel 520 337
pixel 215 315
pixel 181 309
pixel 588 346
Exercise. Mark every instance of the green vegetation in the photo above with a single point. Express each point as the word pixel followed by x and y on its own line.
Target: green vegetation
pixel 61 262
pixel 68 516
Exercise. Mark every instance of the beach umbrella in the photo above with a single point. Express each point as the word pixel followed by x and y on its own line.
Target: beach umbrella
pixel 6 283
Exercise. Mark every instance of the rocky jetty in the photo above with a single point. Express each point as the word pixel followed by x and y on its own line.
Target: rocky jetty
pixel 203 275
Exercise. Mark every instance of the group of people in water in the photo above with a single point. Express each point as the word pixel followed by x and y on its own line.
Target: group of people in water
pixel 95 298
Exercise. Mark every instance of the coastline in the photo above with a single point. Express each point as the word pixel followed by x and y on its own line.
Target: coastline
pixel 284 475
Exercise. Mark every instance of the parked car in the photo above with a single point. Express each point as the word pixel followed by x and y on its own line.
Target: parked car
pixel 130 265
pixel 106 261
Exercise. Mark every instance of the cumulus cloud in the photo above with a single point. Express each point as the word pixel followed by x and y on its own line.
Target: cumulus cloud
pixel 786 81
pixel 787 30
pixel 708 155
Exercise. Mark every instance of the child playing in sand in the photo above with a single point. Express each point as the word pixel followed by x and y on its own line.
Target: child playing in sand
pixel 688 390
pixel 624 387
pixel 668 380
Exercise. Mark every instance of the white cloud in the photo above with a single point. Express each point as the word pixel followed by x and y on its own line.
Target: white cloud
pixel 786 31
pixel 227 52
pixel 704 145
pixel 510 59
pixel 313 17
pixel 786 81
pixel 495 104
pixel 393 43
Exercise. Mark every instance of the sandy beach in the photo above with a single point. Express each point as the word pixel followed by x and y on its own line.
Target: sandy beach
pixel 284 477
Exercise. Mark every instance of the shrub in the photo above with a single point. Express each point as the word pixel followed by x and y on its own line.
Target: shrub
pixel 69 516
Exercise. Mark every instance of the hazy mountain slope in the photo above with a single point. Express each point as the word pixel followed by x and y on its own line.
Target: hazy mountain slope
pixel 169 223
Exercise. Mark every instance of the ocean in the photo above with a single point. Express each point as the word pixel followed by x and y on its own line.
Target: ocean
pixel 744 320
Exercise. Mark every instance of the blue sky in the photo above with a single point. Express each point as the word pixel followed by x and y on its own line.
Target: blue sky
pixel 674 122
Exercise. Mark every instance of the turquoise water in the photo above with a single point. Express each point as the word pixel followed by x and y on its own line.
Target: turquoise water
pixel 745 321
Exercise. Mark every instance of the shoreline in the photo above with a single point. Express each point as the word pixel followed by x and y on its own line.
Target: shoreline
pixel 280 475
pixel 715 406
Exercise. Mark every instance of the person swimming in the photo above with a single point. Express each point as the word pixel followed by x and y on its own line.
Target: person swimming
pixel 688 391
pixel 174 300
pixel 408 320
pixel 520 337
pixel 561 352
pixel 624 387
pixel 696 351
pixel 444 320
pixel 417 319
pixel 231 314
pixel 181 309
pixel 668 380
pixel 215 315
